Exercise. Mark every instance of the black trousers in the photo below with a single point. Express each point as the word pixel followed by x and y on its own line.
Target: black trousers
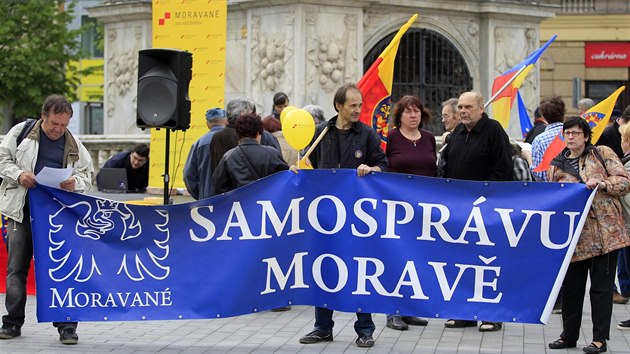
pixel 601 270
pixel 20 249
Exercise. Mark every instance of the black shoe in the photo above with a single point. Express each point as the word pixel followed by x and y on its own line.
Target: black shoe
pixel 490 326
pixel 592 348
pixel 68 336
pixel 415 321
pixel 557 308
pixel 365 341
pixel 624 325
pixel 396 322
pixel 460 324
pixel 9 331
pixel 562 344
pixel 281 309
pixel 316 336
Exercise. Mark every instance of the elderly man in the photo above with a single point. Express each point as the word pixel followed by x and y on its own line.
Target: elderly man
pixel 347 143
pixel 227 139
pixel 316 111
pixel 197 171
pixel 450 119
pixel 48 144
pixel 478 150
pixel 584 105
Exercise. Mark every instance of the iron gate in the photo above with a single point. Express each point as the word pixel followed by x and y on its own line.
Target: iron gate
pixel 428 66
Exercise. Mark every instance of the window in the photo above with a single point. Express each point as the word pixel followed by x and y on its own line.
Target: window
pixel 91 39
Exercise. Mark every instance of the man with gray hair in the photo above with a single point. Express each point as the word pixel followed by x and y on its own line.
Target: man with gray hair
pixel 584 105
pixel 478 150
pixel 227 139
pixel 49 143
pixel 197 171
pixel 316 111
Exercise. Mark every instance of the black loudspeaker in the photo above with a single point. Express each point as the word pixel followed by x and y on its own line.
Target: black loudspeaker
pixel 163 79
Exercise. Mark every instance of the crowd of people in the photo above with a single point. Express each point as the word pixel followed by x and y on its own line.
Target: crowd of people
pixel 240 147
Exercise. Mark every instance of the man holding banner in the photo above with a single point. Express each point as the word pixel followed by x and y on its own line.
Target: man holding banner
pixel 346 143
pixel 479 150
pixel 48 144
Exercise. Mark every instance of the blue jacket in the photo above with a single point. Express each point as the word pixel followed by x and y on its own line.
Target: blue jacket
pixel 197 171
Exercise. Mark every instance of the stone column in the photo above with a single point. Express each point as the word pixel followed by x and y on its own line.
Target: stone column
pixel 127 30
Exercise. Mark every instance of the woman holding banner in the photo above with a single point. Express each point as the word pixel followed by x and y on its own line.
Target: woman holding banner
pixel 411 150
pixel 603 234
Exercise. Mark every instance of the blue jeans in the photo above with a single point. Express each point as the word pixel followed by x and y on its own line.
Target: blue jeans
pixel 20 252
pixel 622 272
pixel 324 322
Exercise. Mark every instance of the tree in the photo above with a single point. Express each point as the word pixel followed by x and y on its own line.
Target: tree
pixel 35 49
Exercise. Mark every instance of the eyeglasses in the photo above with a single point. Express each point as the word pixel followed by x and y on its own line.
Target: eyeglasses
pixel 569 133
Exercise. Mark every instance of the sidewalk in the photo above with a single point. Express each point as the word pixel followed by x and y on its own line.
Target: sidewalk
pixel 278 332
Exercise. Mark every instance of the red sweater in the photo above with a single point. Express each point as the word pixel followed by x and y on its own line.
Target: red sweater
pixel 405 157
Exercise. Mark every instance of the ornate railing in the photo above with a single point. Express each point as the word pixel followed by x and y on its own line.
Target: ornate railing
pixel 578 6
pixel 102 147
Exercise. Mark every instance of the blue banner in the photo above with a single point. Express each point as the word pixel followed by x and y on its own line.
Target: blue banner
pixel 383 243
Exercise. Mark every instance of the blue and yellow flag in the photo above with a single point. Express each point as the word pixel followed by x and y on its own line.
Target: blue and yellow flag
pixel 526 123
pixel 506 86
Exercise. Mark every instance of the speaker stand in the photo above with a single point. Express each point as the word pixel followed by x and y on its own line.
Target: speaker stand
pixel 167 199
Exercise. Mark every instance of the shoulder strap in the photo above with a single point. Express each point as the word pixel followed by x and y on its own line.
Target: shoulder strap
pixel 30 123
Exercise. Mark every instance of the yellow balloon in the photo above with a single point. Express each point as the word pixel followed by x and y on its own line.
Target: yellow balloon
pixel 298 128
pixel 284 113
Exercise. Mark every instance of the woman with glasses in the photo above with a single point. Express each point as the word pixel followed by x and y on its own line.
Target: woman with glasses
pixel 603 234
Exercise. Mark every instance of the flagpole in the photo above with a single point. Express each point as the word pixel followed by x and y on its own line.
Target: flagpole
pixel 525 65
pixel 504 86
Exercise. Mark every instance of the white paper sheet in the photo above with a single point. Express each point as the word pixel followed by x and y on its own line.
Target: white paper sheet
pixel 52 177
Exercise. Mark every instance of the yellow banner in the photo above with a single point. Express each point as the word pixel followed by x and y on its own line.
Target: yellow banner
pixel 90 87
pixel 199 27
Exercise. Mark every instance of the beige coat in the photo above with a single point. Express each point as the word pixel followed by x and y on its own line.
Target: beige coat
pixel 604 230
pixel 16 159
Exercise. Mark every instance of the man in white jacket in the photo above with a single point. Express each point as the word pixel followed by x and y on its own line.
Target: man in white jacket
pixel 48 144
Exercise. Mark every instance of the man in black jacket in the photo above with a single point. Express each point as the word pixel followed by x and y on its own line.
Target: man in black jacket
pixel 347 143
pixel 540 123
pixel 479 150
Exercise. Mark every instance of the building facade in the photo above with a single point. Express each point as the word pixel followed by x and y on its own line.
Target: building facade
pixel 308 49
pixel 591 57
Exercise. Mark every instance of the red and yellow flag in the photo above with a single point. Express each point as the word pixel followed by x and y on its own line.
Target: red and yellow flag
pixel 597 118
pixel 505 86
pixel 376 86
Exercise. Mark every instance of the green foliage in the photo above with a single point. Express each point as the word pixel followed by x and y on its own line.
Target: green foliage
pixel 35 48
